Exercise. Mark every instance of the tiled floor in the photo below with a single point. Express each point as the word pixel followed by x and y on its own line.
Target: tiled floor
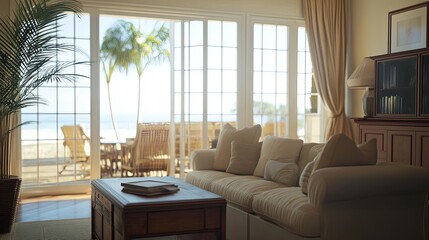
pixel 54 208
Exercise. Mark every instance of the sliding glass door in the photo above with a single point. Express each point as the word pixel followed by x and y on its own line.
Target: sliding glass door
pixel 204 84
pixel 192 72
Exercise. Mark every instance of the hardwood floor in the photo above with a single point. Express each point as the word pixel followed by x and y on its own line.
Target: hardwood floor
pixel 54 208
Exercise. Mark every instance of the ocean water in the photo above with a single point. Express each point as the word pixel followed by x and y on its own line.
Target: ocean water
pixel 47 128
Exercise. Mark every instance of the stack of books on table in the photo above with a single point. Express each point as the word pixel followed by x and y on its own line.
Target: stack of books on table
pixel 149 187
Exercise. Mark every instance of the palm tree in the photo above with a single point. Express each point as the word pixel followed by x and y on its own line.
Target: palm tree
pixel 116 53
pixel 147 49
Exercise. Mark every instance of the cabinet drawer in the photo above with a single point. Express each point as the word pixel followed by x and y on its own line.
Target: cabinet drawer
pixel 176 221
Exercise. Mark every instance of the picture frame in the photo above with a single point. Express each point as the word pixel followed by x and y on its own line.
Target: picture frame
pixel 408 28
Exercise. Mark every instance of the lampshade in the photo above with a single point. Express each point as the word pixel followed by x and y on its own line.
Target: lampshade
pixel 363 76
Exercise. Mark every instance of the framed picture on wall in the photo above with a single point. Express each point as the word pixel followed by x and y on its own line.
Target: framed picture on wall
pixel 408 28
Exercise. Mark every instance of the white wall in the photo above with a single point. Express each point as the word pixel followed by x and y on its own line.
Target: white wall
pixel 369 35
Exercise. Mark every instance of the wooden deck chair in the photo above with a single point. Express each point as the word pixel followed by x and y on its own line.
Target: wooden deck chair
pixel 77 144
pixel 149 151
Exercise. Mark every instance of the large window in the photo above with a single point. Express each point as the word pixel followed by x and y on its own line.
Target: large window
pixel 285 100
pixel 214 75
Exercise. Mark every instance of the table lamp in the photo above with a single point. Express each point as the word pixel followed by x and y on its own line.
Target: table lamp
pixel 363 77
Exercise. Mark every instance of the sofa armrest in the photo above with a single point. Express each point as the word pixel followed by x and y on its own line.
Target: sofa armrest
pixel 203 159
pixel 387 201
pixel 344 183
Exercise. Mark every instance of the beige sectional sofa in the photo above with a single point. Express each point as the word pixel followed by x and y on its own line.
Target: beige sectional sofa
pixel 334 191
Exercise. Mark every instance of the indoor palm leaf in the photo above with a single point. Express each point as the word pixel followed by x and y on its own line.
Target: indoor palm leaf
pixel 28 47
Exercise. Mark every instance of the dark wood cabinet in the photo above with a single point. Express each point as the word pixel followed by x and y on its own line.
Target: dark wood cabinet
pixel 402 85
pixel 400 141
pixel 401 121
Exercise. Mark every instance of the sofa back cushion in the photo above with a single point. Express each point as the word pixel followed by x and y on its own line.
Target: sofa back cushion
pixel 229 134
pixel 277 148
pixel 244 157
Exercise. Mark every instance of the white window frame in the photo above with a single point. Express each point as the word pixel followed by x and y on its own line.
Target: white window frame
pixel 293 25
pixel 244 64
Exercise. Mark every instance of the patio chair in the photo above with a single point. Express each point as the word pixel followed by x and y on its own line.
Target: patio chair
pixel 148 152
pixel 77 144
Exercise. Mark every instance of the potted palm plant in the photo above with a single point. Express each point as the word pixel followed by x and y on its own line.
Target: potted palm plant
pixel 28 47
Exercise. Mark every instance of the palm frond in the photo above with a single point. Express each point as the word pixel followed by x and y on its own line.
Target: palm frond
pixel 28 47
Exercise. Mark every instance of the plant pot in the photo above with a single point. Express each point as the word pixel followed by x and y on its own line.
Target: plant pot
pixel 9 192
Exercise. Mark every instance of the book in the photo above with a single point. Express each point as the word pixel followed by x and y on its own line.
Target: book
pixel 165 190
pixel 149 187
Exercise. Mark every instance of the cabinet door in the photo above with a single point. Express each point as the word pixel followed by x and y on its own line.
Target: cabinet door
pixel 396 85
pixel 370 132
pixel 422 149
pixel 401 147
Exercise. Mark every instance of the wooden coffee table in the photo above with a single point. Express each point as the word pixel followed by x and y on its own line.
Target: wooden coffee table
pixel 192 212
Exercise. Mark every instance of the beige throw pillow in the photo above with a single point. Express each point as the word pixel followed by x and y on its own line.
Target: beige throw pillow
pixel 277 148
pixel 305 175
pixel 244 157
pixel 342 151
pixel 308 169
pixel 282 172
pixel 229 134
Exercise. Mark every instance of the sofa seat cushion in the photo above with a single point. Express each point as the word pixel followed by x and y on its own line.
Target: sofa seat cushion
pixel 240 190
pixel 204 178
pixel 289 208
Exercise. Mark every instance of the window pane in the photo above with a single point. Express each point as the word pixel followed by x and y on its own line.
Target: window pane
pixel 229 81
pixel 229 58
pixel 84 96
pixel 214 60
pixel 269 60
pixel 83 26
pixel 214 105
pixel 196 33
pixel 281 61
pixel 214 33
pixel 196 55
pixel 50 96
pixel 214 81
pixel 229 34
pixel 196 81
pixel 269 82
pixel 66 100
pixel 229 103
pixel 269 36
pixel 282 38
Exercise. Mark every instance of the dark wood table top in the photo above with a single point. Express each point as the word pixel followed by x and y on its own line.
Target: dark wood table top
pixel 188 194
